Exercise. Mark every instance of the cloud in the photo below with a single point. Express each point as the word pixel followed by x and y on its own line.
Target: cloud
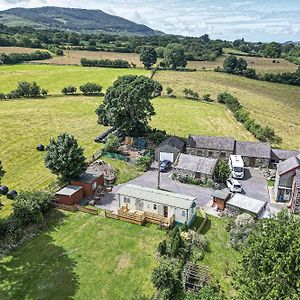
pixel 264 20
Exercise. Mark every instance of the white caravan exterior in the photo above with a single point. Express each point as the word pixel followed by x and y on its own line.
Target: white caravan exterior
pixel 236 165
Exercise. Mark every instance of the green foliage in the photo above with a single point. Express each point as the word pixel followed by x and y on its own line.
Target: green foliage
pixel 166 278
pixel 269 265
pixel 90 88
pixel 69 90
pixel 112 143
pixel 127 104
pixel 157 135
pixel 234 65
pixel 174 57
pixel 148 57
pixel 144 163
pixel 64 157
pixel 105 63
pixel 206 97
pixel 162 248
pixel 187 179
pixel 273 50
pixel 190 94
pixel 169 92
pixel 222 171
pixel 205 293
pixel 16 58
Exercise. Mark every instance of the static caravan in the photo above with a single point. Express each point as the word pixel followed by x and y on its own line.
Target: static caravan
pixel 166 204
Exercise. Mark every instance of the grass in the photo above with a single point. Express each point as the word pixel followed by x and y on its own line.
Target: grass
pixel 54 78
pixel 221 258
pixel 276 105
pixel 82 257
pixel 192 117
pixel 26 123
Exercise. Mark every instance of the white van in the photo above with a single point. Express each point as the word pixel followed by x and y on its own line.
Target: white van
pixel 236 165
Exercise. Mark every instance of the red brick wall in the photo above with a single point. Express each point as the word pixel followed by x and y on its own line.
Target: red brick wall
pixel 88 187
pixel 70 200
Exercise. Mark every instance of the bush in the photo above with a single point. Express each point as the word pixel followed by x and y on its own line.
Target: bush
pixel 90 88
pixel 190 94
pixel 112 143
pixel 222 171
pixel 144 163
pixel 207 98
pixel 105 63
pixel 69 90
pixel 16 58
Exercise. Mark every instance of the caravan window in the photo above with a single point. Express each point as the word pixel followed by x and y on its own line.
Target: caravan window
pixel 154 206
pixel 126 200
pixel 183 212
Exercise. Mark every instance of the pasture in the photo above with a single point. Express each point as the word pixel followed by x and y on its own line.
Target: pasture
pixel 79 256
pixel 276 105
pixel 54 78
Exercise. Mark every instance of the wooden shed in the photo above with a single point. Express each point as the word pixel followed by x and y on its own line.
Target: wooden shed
pixel 220 198
pixel 89 182
pixel 69 195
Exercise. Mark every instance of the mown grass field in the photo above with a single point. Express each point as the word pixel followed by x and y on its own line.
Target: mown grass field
pixel 82 257
pixel 26 123
pixel 54 78
pixel 276 105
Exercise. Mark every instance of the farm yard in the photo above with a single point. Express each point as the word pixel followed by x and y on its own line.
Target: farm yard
pixel 277 105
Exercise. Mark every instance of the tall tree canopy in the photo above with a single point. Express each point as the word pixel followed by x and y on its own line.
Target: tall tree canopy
pixel 174 56
pixel 273 50
pixel 127 104
pixel 64 157
pixel 148 57
pixel 270 261
pixel 234 65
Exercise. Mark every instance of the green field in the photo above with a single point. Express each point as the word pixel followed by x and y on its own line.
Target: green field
pixel 54 78
pixel 82 257
pixel 276 105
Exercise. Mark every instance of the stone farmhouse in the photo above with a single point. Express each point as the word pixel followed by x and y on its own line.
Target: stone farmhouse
pixel 169 149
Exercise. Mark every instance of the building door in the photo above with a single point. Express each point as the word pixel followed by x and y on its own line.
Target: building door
pixel 139 205
pixel 252 162
pixel 165 211
pixel 166 156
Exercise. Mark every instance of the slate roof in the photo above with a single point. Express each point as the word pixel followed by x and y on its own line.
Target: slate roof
pixel 172 141
pixel 211 142
pixel 247 203
pixel 88 176
pixel 280 154
pixel 288 165
pixel 253 149
pixel 157 196
pixel 197 164
pixel 220 194
pixel 69 190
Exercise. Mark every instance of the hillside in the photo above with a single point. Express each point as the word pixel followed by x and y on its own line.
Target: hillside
pixel 80 20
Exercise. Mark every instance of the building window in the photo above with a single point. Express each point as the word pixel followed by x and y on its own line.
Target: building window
pixel 183 213
pixel 154 206
pixel 126 200
pixel 223 154
pixel 210 153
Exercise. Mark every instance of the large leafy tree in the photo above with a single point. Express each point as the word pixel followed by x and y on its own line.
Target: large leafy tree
pixel 234 65
pixel 174 56
pixel 273 50
pixel 127 104
pixel 148 57
pixel 270 261
pixel 222 171
pixel 64 157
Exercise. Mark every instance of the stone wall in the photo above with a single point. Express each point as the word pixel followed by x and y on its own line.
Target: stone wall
pixel 182 172
pixel 211 153
pixel 259 162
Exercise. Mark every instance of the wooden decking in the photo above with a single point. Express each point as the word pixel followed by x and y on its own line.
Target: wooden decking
pixel 140 217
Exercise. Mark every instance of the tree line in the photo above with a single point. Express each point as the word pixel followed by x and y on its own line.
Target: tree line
pixel 88 88
pixel 105 63
pixel 262 133
pixel 16 58
pixel 239 66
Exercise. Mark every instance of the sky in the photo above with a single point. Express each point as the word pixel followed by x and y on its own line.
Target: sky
pixel 254 20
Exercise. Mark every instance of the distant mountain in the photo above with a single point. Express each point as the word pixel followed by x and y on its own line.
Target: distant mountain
pixel 80 20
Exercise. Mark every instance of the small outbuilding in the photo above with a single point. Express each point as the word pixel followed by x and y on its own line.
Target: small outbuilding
pixel 157 202
pixel 169 149
pixel 254 154
pixel 220 198
pixel 69 195
pixel 195 166
pixel 240 203
pixel 89 181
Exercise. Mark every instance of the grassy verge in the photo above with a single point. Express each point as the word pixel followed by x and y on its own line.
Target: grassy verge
pixel 101 259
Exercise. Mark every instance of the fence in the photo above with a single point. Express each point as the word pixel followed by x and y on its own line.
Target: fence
pixel 74 208
pixel 204 215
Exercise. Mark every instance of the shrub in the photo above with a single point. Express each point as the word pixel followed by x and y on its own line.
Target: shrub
pixel 144 163
pixel 69 90
pixel 90 88
pixel 112 143
pixel 190 94
pixel 207 98
pixel 118 63
pixel 222 171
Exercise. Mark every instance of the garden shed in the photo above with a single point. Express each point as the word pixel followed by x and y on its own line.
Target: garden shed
pixel 169 149
pixel 220 198
pixel 69 195
pixel 89 181
pixel 157 202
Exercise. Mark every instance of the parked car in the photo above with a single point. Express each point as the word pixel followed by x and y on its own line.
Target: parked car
pixel 165 165
pixel 234 186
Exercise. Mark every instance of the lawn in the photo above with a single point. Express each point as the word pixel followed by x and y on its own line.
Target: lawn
pixel 276 105
pixel 221 258
pixel 26 123
pixel 54 78
pixel 183 117
pixel 101 259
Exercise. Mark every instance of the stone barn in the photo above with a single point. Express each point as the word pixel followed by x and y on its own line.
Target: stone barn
pixel 210 146
pixel 195 166
pixel 169 149
pixel 254 154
